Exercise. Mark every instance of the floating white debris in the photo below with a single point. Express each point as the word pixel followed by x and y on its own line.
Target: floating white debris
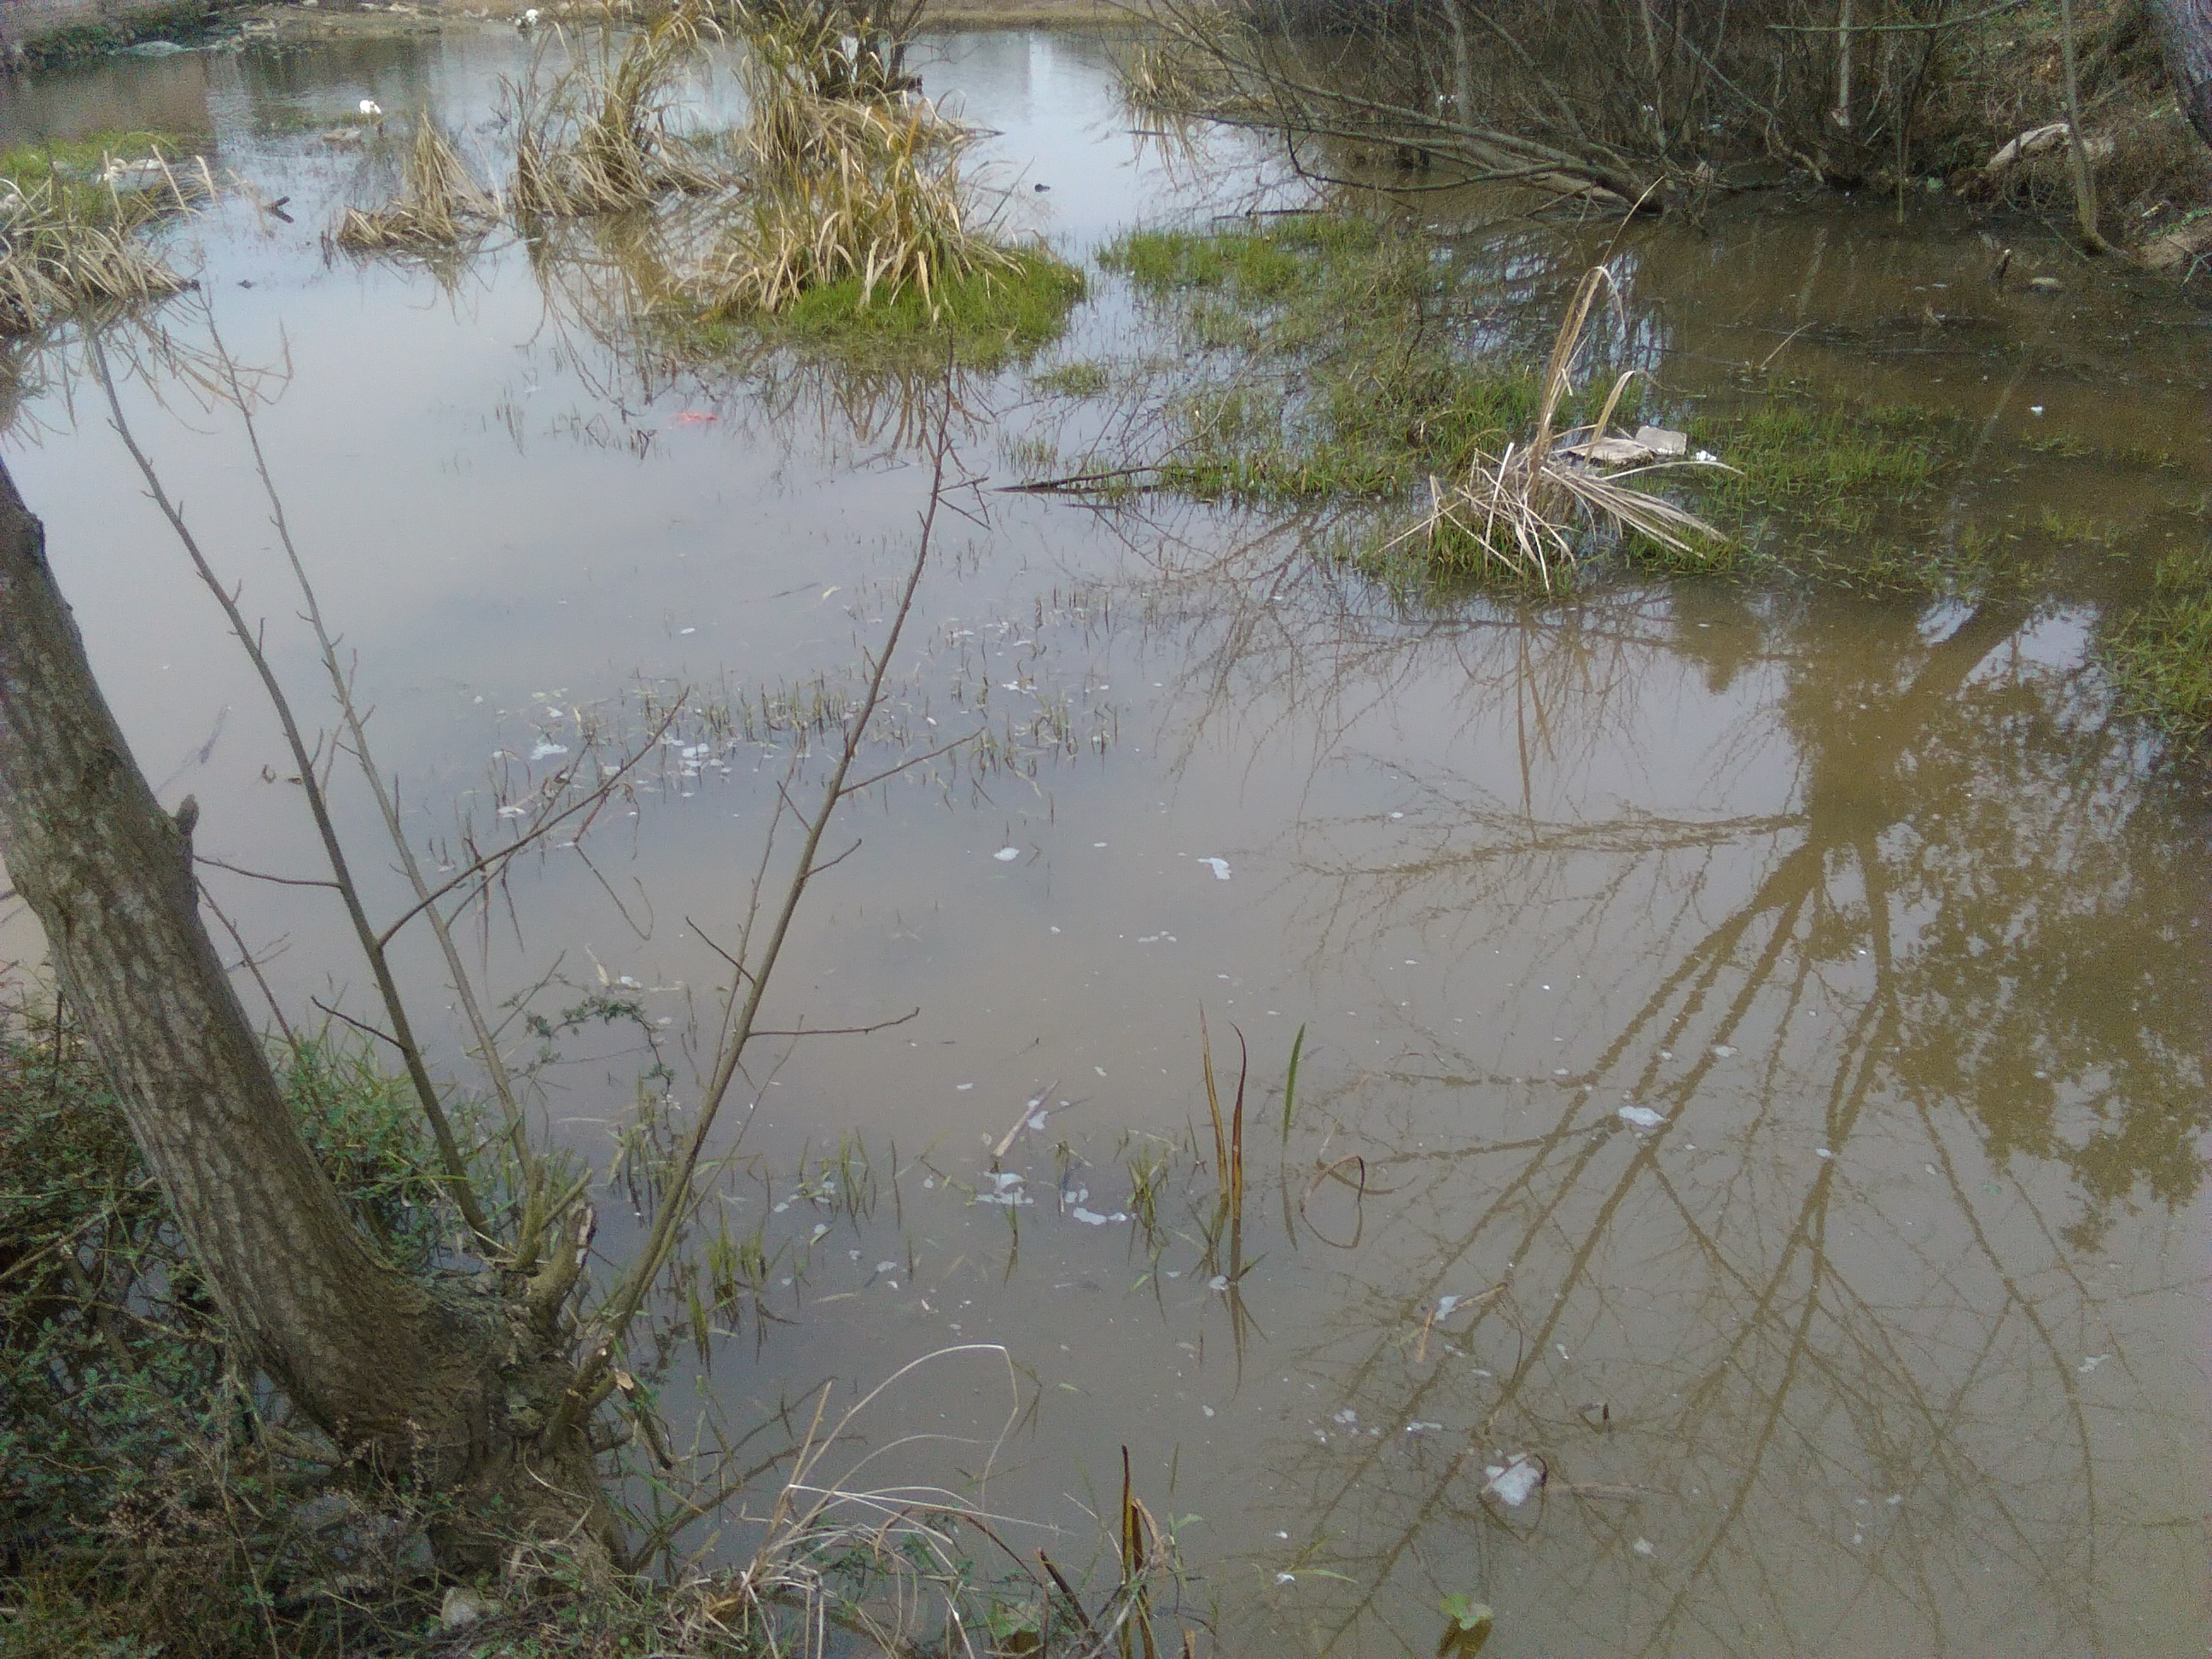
pixel 1220 868
pixel 1347 1418
pixel 512 811
pixel 370 108
pixel 1822 1151
pixel 1645 1546
pixel 547 747
pixel 962 1087
pixel 1218 1282
pixel 2091 1362
pixel 1417 1427
pixel 887 1266
pixel 1002 1179
pixel 1723 1051
pixel 1511 1483
pixel 1446 1303
pixel 1641 1117
pixel 1007 854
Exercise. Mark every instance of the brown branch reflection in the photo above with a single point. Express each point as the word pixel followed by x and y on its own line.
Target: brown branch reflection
pixel 1858 1328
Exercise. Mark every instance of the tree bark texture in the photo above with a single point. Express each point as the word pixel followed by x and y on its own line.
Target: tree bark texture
pixel 440 1379
pixel 2185 28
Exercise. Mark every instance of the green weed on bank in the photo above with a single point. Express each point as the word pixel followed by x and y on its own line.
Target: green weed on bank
pixel 2160 657
pixel 146 1503
pixel 1334 359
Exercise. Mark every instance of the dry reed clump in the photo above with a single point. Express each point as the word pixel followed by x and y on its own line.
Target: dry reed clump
pixel 439 206
pixel 865 189
pixel 67 246
pixel 1530 511
pixel 597 137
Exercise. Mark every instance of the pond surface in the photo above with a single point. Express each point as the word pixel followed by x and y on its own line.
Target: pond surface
pixel 1754 1041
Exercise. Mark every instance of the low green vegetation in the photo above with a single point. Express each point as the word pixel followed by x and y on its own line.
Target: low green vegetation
pixel 1343 361
pixel 147 1504
pixel 983 316
pixel 2159 656
pixel 156 1498
pixel 25 166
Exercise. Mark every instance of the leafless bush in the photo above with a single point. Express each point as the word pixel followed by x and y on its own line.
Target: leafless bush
pixel 1651 102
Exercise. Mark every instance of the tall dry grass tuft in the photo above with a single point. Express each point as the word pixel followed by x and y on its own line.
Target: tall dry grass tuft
pixel 597 137
pixel 1530 511
pixel 439 206
pixel 862 188
pixel 68 245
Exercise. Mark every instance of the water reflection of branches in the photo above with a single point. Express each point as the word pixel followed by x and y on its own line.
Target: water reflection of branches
pixel 1912 961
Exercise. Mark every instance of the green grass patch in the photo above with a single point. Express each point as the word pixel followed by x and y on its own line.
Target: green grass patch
pixel 1332 358
pixel 1264 264
pixel 985 318
pixel 2159 656
pixel 73 166
pixel 24 164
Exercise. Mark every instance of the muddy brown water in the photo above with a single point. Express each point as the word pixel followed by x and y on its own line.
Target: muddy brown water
pixel 1754 1056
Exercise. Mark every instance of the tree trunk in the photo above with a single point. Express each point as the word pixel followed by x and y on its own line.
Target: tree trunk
pixel 444 1379
pixel 2185 27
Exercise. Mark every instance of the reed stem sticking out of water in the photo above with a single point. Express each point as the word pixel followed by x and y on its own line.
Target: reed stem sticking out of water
pixel 1229 1141
pixel 1530 511
pixel 439 205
